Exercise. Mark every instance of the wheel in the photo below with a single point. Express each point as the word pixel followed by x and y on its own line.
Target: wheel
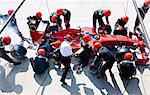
pixel 32 27
pixel 19 52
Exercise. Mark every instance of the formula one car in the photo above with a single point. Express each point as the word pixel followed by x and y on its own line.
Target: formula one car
pixel 44 30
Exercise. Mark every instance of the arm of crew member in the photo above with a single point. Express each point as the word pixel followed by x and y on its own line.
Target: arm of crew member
pixel 107 20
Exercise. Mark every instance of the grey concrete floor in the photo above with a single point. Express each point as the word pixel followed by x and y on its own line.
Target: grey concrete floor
pixel 21 80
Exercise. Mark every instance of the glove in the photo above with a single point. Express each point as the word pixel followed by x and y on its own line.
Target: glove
pixel 8 51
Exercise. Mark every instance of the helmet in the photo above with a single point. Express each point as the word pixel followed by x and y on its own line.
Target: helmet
pixel 97 45
pixel 128 56
pixel 41 52
pixel 6 40
pixel 147 2
pixel 54 19
pixel 107 12
pixel 68 37
pixel 57 43
pixel 59 12
pixel 125 19
pixel 39 14
pixel 10 11
pixel 86 38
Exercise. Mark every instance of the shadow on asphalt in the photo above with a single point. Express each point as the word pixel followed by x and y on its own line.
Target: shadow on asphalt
pixel 102 84
pixel 132 86
pixel 44 79
pixel 74 88
pixel 10 78
pixel 142 68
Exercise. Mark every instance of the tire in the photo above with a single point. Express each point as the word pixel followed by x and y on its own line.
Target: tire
pixel 19 52
pixel 32 27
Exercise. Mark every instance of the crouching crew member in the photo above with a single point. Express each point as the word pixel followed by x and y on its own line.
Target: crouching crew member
pixel 40 62
pixel 67 15
pixel 98 15
pixel 37 17
pixel 103 54
pixel 33 21
pixel 56 20
pixel 120 26
pixel 126 67
pixel 13 20
pixel 57 55
pixel 3 42
pixel 122 21
pixel 85 54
